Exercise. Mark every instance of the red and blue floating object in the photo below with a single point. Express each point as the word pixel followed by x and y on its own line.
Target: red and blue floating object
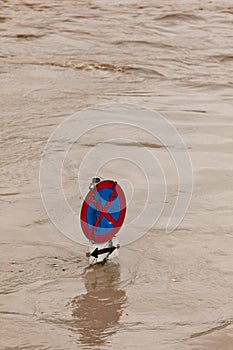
pixel 103 211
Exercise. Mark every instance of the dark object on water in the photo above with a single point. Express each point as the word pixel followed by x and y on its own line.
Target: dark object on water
pixel 94 181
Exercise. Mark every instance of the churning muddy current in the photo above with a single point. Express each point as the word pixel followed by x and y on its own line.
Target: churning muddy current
pixel 164 291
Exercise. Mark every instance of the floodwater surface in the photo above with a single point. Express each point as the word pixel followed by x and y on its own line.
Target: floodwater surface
pixel 165 291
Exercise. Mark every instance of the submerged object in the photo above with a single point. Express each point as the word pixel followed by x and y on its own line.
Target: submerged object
pixel 102 215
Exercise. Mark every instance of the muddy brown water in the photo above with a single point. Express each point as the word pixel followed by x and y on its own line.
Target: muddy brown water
pixel 164 292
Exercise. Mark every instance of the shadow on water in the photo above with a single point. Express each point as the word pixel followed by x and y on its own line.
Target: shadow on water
pixel 97 312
